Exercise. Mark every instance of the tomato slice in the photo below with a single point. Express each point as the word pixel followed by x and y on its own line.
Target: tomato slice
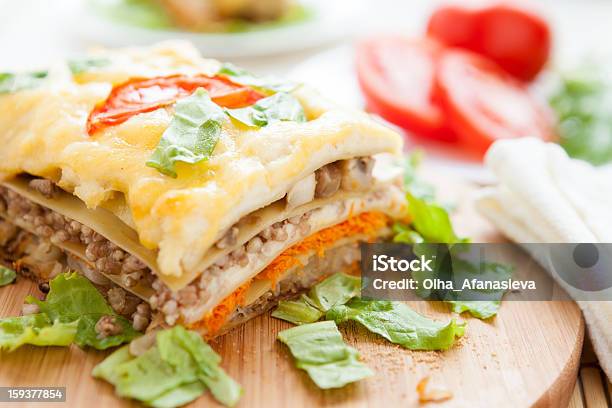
pixel 515 37
pixel 483 103
pixel 396 75
pixel 145 95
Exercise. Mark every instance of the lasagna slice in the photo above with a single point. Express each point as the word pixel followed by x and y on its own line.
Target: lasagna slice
pixel 187 191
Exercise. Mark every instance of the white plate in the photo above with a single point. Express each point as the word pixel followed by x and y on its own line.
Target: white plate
pixel 331 20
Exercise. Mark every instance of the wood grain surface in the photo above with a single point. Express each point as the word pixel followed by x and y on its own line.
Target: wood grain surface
pixel 527 356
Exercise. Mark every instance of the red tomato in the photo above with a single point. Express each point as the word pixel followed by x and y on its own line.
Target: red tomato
pixel 483 103
pixel 517 39
pixel 397 75
pixel 145 95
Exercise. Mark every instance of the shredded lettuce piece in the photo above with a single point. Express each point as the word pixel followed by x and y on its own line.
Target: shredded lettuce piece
pixel 87 335
pixel 224 388
pixel 276 108
pixel 467 301
pixel 337 289
pixel 298 312
pixel 175 371
pixel 73 298
pixel 13 82
pixel 582 103
pixel 267 85
pixel 406 235
pixel 106 369
pixel 78 66
pixel 431 224
pixel 36 329
pixel 178 396
pixel 7 276
pixel 192 135
pixel 395 321
pixel 431 221
pixel 319 350
pixel 412 183
pixel 399 324
pixel 482 309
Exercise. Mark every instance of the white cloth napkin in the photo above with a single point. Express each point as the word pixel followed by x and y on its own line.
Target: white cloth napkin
pixel 543 196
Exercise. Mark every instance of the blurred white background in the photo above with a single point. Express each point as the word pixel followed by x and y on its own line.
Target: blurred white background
pixel 33 32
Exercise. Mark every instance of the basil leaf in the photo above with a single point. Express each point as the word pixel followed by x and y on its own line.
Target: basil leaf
pixel 7 276
pixel 192 135
pixel 14 82
pixel 399 324
pixel 78 66
pixel 319 350
pixel 276 108
pixel 266 85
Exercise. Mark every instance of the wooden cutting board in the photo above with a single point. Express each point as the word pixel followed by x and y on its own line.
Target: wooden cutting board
pixel 528 355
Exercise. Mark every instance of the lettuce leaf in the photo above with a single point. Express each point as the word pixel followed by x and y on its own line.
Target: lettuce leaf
pixel 36 329
pixel 192 135
pixel 175 371
pixel 276 108
pixel 7 276
pixel 12 82
pixel 319 350
pixel 73 298
pixel 399 324
pixel 337 289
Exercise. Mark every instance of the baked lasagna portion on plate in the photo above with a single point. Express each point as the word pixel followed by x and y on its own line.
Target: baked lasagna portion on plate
pixel 186 190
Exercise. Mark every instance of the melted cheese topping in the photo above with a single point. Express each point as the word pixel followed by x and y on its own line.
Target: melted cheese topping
pixel 43 133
